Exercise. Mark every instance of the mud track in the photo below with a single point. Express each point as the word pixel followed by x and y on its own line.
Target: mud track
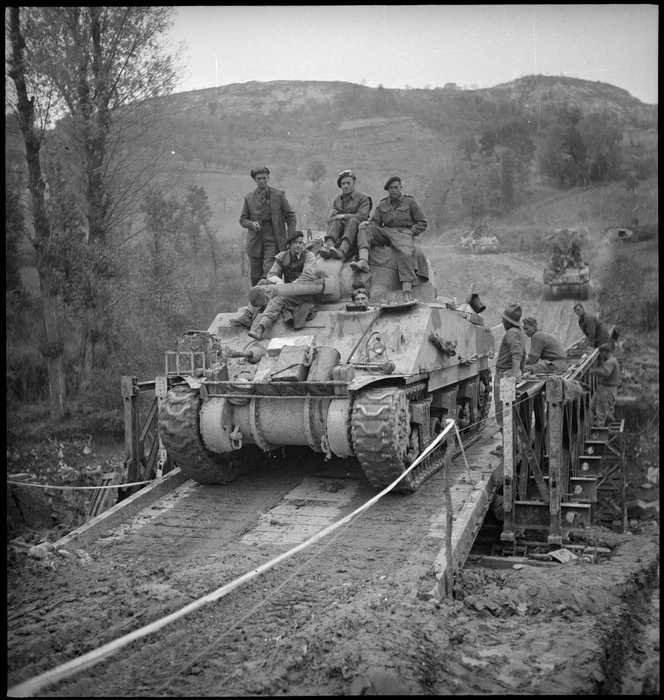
pixel 342 617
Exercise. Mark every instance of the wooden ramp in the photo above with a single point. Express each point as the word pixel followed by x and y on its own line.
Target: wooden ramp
pixel 470 503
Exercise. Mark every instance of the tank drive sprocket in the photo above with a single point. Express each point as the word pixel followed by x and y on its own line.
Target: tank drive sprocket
pixel 180 432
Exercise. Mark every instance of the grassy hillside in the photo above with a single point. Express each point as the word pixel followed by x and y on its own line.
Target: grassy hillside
pixel 214 138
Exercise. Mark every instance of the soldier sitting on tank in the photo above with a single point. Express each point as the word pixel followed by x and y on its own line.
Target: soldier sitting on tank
pixel 349 209
pixel 556 259
pixel 396 221
pixel 576 255
pixel 546 355
pixel 293 265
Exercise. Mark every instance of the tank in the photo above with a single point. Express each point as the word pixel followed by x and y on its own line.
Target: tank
pixel 375 383
pixel 570 283
pixel 566 276
pixel 478 240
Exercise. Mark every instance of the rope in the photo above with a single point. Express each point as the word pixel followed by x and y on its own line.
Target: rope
pixel 79 488
pixel 31 687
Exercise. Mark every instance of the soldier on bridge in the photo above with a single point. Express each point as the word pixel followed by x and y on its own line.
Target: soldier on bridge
pixel 604 399
pixel 546 354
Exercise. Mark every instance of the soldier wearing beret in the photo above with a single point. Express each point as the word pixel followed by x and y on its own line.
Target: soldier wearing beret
pixel 396 221
pixel 268 218
pixel 349 209
pixel 293 265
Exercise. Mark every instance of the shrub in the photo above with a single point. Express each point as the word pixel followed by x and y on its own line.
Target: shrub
pixel 647 232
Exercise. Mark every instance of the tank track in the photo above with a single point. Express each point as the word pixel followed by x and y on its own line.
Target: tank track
pixel 380 429
pixel 180 433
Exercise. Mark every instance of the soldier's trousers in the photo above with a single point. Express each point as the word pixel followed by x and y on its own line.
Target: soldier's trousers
pixel 400 239
pixel 278 304
pixel 497 401
pixel 602 404
pixel 260 265
pixel 338 230
pixel 548 367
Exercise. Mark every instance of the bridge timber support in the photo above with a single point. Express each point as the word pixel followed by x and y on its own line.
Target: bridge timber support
pixel 560 472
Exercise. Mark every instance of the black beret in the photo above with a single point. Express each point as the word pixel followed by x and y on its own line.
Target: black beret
pixel 342 175
pixel 255 172
pixel 294 236
pixel 394 178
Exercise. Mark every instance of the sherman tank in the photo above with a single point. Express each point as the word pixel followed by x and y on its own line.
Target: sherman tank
pixel 566 276
pixel 479 240
pixel 374 382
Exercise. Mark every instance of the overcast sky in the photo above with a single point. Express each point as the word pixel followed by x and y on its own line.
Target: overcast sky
pixel 420 45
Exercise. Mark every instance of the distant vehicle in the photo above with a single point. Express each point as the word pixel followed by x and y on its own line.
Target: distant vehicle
pixel 627 235
pixel 566 276
pixel 478 240
pixel 570 283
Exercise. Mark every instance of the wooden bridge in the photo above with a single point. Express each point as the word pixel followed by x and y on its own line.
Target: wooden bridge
pixel 559 472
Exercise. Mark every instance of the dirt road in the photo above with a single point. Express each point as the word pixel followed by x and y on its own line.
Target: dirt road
pixel 341 618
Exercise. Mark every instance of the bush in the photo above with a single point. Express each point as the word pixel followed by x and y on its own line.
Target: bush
pixel 26 375
pixel 647 232
pixel 650 315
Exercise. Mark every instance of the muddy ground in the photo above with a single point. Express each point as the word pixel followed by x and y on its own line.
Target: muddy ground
pixel 353 628
pixel 341 623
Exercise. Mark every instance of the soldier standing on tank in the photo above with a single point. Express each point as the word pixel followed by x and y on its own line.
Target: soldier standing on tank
pixel 349 209
pixel 511 355
pixel 396 221
pixel 546 354
pixel 604 398
pixel 596 331
pixel 269 219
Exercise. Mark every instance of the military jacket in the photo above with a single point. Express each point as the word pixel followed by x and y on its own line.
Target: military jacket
pixel 595 331
pixel 282 217
pixel 357 204
pixel 406 214
pixel 289 268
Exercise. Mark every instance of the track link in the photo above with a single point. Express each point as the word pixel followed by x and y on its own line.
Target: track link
pixel 180 433
pixel 380 433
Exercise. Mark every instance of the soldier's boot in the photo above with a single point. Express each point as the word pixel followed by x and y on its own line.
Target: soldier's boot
pixel 362 265
pixel 340 252
pixel 328 247
pixel 259 328
pixel 246 317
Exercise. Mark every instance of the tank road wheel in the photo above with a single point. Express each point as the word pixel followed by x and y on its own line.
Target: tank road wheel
pixel 180 433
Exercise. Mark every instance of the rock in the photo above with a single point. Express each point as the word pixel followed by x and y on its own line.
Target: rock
pixel 360 685
pixel 40 551
pixel 386 683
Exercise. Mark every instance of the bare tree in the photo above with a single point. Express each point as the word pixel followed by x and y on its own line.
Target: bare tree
pixel 33 136
pixel 101 68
